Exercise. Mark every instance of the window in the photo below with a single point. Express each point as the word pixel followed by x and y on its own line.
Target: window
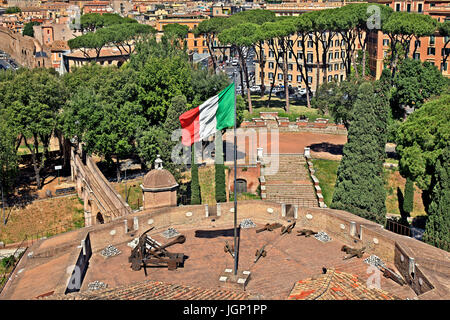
pixel 270 65
pixel 271 54
pixel 330 78
pixel 444 66
pixel 416 56
pixel 310 44
pixel 204 43
pixel 280 76
pixel 310 79
pixel 336 67
pixel 336 77
pixel 385 42
pixel 290 66
pixel 330 67
pixel 270 75
pixel 299 78
pixel 342 43
pixel 300 54
pixel 431 51
pixel 342 66
pixel 299 44
pixel 342 77
pixel 397 7
pixel 310 58
pixel 417 43
pixel 330 56
pixel 408 7
pixel 290 55
pixel 336 55
pixel 309 69
pixel 432 40
pixel 289 77
pixel 342 54
pixel 336 43
pixel 195 43
pixel 419 7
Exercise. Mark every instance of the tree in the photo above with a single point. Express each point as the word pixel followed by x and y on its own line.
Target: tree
pixel 195 185
pixel 209 29
pixel 124 36
pixel 278 35
pixel 338 99
pixel 402 27
pixel 241 38
pixel 12 10
pixel 408 202
pixel 28 28
pixel 421 140
pixel 90 40
pixel 8 158
pixel 91 22
pixel 416 82
pixel 444 31
pixel 221 192
pixel 37 98
pixel 438 223
pixel 104 114
pixel 176 33
pixel 359 184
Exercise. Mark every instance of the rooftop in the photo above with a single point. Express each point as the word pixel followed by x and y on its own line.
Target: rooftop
pixel 289 258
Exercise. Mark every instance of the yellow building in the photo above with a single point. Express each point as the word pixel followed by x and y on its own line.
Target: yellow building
pixel 335 69
pixel 194 44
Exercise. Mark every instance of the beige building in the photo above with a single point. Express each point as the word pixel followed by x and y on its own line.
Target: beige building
pixel 335 69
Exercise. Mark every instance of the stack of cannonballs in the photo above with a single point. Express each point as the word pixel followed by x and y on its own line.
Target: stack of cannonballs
pixel 170 233
pixel 97 285
pixel 247 223
pixel 322 236
pixel 110 251
pixel 375 261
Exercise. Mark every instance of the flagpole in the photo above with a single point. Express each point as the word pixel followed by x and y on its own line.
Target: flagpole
pixel 236 250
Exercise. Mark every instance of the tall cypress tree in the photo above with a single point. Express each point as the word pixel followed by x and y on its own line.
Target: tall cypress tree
pixel 438 223
pixel 195 186
pixel 360 185
pixel 408 202
pixel 221 194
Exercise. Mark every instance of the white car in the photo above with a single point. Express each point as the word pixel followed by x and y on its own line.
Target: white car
pixel 302 90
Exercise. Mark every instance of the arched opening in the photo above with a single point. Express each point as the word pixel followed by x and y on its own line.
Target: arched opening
pixel 241 185
pixel 99 218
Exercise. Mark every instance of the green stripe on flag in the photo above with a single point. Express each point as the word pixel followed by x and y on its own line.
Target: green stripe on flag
pixel 225 111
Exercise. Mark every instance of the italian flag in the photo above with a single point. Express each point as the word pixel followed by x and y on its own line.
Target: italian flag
pixel 214 114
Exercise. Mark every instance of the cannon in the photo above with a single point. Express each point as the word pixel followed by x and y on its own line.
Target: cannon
pixel 306 233
pixel 288 228
pixel 228 248
pixel 269 227
pixel 260 253
pixel 149 253
pixel 352 252
pixel 388 273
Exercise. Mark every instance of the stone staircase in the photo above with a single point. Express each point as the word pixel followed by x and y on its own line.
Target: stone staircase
pixel 290 184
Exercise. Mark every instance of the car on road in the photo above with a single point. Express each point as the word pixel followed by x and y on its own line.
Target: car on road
pixel 234 62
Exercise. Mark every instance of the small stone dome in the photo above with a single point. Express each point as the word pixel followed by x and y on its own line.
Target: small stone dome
pixel 159 178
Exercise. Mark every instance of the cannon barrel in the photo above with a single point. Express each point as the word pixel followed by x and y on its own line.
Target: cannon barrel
pixel 180 239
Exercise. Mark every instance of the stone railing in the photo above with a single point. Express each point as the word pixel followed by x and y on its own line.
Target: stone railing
pixel 272 120
pixel 314 179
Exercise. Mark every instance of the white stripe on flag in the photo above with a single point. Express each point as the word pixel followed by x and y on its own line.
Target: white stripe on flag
pixel 207 117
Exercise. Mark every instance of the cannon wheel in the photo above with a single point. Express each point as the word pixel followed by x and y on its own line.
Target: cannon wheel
pixel 136 265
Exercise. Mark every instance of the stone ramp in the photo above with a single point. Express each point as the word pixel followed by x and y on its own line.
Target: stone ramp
pixel 291 183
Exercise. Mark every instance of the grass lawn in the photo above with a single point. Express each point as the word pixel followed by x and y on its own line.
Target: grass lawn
pixel 43 218
pixel 134 192
pixel 326 172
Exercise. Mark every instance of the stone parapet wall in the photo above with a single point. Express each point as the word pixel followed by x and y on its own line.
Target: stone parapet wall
pixel 272 120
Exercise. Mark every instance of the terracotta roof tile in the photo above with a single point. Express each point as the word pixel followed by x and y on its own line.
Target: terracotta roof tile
pixel 335 285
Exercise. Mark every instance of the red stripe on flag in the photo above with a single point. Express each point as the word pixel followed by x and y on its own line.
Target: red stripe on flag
pixel 190 126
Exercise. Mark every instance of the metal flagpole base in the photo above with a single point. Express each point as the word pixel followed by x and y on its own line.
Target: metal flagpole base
pixel 231 281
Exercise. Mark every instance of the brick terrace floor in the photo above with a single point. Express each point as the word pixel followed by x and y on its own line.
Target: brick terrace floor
pixel 289 259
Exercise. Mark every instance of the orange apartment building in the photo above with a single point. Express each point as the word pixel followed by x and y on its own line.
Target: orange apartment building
pixel 429 49
pixel 335 70
pixel 194 44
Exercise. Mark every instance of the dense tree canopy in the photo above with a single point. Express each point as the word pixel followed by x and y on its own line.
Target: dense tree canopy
pixel 422 138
